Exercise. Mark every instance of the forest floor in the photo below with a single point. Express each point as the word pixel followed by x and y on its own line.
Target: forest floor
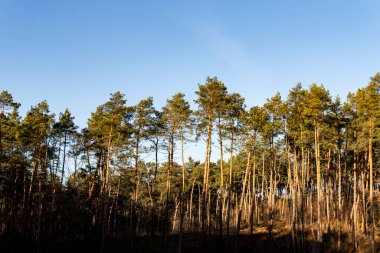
pixel 262 241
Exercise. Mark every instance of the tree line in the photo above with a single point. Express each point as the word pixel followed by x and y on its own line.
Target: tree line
pixel 308 162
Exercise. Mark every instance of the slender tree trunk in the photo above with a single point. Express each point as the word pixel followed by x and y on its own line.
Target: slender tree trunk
pixel 153 186
pixel 263 179
pixel 135 194
pixel 182 198
pixel 364 201
pixel 241 201
pixel 205 177
pixel 303 179
pixel 168 183
pixel 253 194
pixel 191 206
pixel 371 130
pixel 64 159
pixel 328 190
pixel 294 199
pixel 230 185
pixel 354 220
pixel 103 192
pixel 339 200
pixel 221 194
pixel 319 187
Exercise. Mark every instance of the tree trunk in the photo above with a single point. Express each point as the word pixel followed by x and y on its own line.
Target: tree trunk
pixel 339 200
pixel 371 130
pixel 241 202
pixel 253 194
pixel 64 158
pixel 319 187
pixel 182 197
pixel 221 193
pixel 205 177
pixel 230 185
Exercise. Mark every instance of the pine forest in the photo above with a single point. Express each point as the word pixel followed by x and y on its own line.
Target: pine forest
pixel 300 173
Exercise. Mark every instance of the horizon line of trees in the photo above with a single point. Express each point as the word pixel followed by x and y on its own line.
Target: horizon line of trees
pixel 309 162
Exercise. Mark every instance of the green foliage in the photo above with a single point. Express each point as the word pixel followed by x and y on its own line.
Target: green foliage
pixel 274 126
pixel 110 121
pixel 124 178
pixel 37 125
pixel 177 114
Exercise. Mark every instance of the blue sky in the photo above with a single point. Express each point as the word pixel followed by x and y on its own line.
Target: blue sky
pixel 75 53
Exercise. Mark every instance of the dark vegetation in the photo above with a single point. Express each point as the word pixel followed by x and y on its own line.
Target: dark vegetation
pixel 299 174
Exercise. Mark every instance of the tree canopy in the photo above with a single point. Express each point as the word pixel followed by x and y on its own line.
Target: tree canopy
pixel 305 163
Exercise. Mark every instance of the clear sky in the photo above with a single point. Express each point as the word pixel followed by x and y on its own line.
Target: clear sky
pixel 75 53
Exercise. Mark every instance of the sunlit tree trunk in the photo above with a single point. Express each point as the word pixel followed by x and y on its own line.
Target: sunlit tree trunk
pixel 243 193
pixel 319 187
pixel 230 185
pixel 371 130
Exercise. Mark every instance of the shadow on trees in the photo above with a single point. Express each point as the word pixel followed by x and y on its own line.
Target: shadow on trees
pixel 192 242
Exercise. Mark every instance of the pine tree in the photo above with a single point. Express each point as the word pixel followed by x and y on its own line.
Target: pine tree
pixel 367 105
pixel 143 115
pixel 177 117
pixel 110 126
pixel 319 101
pixel 64 129
pixel 273 127
pixel 211 97
pixel 295 133
pixel 11 169
pixel 233 125
pixel 35 133
pixel 253 123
